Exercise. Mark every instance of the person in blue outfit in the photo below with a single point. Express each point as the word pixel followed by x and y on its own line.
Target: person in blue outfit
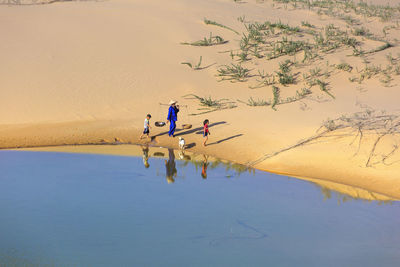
pixel 172 117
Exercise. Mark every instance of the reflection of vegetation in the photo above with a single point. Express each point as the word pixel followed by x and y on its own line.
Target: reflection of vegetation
pixel 215 163
pixel 342 197
pixel 343 193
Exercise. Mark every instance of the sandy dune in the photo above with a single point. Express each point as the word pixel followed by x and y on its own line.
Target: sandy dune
pixel 88 73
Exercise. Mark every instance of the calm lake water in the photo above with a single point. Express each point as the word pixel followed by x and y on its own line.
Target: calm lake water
pixel 60 209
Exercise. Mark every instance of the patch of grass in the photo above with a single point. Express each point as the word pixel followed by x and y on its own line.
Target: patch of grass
pixel 358 52
pixel 211 40
pixel 208 101
pixel 286 47
pixel 349 19
pixel 367 73
pixel 264 79
pixel 256 103
pixel 299 95
pixel 256 36
pixel 380 48
pixel 344 66
pixel 234 72
pixel 307 24
pixel 284 27
pixel 386 29
pixel 276 99
pixel 285 78
pixel 332 38
pixel 386 79
pixel 242 55
pixel 349 41
pixel 256 52
pixel 241 19
pixel 303 92
pixel 342 9
pixel 268 28
pixel 209 104
pixel 284 75
pixel 285 66
pixel 315 72
pixel 361 31
pixel 210 22
pixel 276 39
pixel 323 87
pixel 194 67
pixel 312 74
pixel 309 55
pixel 391 59
pixel 384 74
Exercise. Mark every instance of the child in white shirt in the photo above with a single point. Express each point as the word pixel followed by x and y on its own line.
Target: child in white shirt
pixel 147 127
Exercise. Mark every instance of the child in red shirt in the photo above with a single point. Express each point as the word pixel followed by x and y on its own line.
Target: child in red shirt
pixel 206 132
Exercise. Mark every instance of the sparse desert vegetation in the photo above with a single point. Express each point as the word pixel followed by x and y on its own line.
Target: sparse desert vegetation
pixel 194 66
pixel 292 49
pixel 211 22
pixel 208 104
pixel 233 73
pixel 207 41
pixel 359 125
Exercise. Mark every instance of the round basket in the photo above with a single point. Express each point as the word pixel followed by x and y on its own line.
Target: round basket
pixel 186 126
pixel 159 123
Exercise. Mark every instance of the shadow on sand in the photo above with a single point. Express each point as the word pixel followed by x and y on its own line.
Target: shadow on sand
pixel 190 145
pixel 225 139
pixel 180 132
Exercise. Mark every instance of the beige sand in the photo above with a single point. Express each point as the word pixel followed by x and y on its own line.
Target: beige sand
pixel 89 72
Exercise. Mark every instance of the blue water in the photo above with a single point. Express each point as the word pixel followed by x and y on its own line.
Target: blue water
pixel 59 209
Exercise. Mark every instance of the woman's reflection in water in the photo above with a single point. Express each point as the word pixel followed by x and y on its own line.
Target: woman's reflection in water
pixel 170 166
pixel 145 150
pixel 204 167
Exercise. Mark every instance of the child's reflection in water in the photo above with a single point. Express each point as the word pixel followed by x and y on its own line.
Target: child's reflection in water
pixel 204 167
pixel 145 150
pixel 170 166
